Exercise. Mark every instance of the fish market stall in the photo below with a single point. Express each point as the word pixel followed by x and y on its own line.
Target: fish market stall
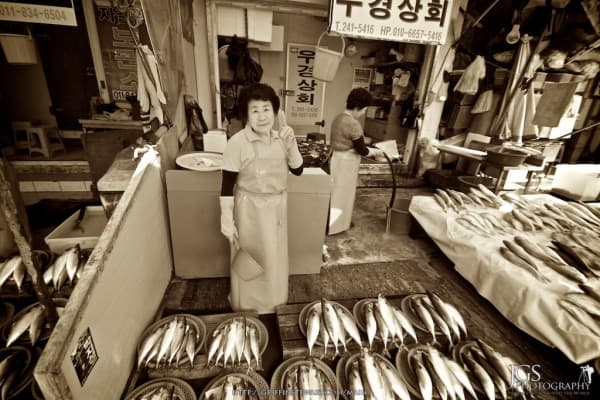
pixel 532 294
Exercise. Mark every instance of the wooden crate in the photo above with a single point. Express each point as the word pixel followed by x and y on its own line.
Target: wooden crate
pixel 293 342
pixel 200 370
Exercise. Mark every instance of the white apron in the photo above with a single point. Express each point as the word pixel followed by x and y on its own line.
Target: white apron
pixel 261 220
pixel 344 176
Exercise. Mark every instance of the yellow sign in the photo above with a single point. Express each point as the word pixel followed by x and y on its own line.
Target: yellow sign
pixel 416 21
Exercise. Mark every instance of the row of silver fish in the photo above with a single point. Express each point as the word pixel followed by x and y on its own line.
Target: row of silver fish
pixel 328 322
pixel 436 314
pixel 235 341
pixel 481 196
pixel 11 370
pixel 233 388
pixel 15 268
pixel 169 343
pixel 68 265
pixel 370 377
pixel 33 321
pixel 484 223
pixel 386 323
pixel 491 372
pixel 308 382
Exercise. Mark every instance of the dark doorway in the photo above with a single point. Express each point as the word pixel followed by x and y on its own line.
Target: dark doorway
pixel 67 60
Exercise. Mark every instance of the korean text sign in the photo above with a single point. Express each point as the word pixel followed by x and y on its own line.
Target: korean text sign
pixel 305 104
pixel 417 21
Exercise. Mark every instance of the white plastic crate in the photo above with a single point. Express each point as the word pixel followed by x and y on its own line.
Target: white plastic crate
pixel 66 236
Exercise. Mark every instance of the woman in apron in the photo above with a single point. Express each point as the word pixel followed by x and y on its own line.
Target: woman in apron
pixel 254 218
pixel 348 145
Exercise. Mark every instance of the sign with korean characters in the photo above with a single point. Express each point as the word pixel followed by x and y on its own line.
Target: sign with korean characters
pixel 118 49
pixel 56 12
pixel 84 356
pixel 304 94
pixel 416 21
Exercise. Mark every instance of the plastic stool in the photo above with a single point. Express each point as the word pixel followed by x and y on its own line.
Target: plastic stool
pixel 19 132
pixel 44 139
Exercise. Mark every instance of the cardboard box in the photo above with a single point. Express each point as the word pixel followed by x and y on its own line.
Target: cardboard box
pixel 66 236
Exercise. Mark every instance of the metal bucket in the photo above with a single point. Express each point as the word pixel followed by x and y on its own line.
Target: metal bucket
pixel 327 61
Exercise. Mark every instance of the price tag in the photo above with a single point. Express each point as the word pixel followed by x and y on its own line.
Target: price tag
pixel 84 356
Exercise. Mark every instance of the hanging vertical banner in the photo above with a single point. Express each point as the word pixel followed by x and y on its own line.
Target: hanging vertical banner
pixel 55 12
pixel 118 50
pixel 416 21
pixel 305 94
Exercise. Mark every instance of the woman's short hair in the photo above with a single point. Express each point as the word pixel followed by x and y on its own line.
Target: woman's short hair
pixel 256 91
pixel 358 98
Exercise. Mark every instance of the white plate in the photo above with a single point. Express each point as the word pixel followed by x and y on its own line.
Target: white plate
pixel 200 161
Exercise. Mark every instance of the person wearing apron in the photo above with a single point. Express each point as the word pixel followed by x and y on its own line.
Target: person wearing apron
pixel 348 145
pixel 257 160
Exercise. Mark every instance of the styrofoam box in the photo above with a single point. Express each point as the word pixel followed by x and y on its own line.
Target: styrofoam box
pixel 577 181
pixel 66 236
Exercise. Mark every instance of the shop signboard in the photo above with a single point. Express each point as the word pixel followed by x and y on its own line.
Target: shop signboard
pixel 304 94
pixel 55 12
pixel 118 50
pixel 416 21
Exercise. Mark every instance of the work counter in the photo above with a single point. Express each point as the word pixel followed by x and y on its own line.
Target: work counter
pixel 201 251
pixel 527 302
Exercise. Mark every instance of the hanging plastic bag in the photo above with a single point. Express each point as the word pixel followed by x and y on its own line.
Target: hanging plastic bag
pixel 469 80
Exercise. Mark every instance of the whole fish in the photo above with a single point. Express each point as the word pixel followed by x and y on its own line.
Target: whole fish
pixel 221 350
pixel 228 389
pixel 59 270
pixel 72 261
pixel 37 323
pixel 440 307
pixel 519 262
pixel 241 342
pixel 583 258
pixel 489 194
pixel 446 198
pixel 190 347
pixel 585 212
pixel 441 202
pixel 349 325
pixel 482 376
pixel 166 341
pixel 386 313
pixel 149 343
pixel 23 323
pixel 177 339
pixel 456 198
pixel 314 382
pixel 48 273
pixel 438 320
pixel 230 342
pixel 8 268
pixel 304 383
pixel 382 328
pixel 585 240
pixel 396 384
pixel 404 323
pixel 459 373
pixel 496 360
pixel 441 370
pixel 332 325
pixel 312 329
pixel 425 317
pixel 458 389
pixel 329 392
pixel 325 339
pixel 370 323
pixel 154 351
pixel 527 223
pixel 498 381
pixel 19 274
pixel 248 350
pixel 423 378
pixel 437 383
pixel 253 336
pixel 215 344
pixel 374 378
pixel 182 349
pixel 290 387
pixel 355 384
pixel 456 317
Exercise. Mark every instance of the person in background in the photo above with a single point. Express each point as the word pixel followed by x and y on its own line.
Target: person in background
pixel 254 216
pixel 348 145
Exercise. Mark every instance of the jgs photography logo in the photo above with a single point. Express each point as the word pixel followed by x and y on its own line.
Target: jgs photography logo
pixel 526 377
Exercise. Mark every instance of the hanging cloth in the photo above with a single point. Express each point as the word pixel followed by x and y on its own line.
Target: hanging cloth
pixel 469 80
pixel 150 94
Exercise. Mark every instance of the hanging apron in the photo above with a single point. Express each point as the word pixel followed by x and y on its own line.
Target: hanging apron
pixel 261 220
pixel 344 176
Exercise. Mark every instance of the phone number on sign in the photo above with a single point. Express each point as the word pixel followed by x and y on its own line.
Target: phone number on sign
pixel 415 34
pixel 356 28
pixel 46 14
